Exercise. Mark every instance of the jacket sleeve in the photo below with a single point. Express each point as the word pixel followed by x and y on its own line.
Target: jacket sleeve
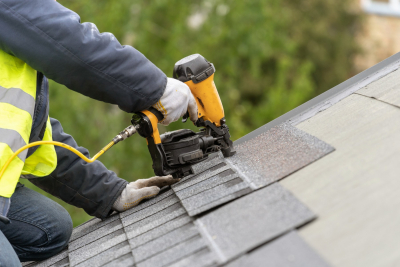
pixel 89 186
pixel 51 39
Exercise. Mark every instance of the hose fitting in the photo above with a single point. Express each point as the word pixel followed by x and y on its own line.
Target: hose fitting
pixel 127 132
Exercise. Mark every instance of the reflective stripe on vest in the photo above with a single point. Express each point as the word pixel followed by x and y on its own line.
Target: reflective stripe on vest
pixel 17 104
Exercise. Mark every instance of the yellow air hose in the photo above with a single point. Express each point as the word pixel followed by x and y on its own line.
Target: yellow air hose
pixel 130 130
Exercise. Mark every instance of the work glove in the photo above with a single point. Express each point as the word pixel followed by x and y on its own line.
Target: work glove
pixel 176 101
pixel 5 203
pixel 141 189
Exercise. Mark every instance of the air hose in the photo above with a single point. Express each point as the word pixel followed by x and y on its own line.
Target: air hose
pixel 127 132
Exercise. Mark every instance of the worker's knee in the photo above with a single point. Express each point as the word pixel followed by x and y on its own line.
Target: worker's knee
pixel 44 237
pixel 58 232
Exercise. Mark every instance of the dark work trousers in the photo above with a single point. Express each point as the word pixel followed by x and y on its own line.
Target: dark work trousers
pixel 39 228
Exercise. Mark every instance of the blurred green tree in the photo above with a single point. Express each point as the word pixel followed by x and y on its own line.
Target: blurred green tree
pixel 270 56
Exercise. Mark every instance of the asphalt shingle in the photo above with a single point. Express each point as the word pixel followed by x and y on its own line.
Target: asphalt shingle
pixel 195 204
pixel 164 242
pixel 123 261
pixel 99 246
pixel 107 256
pixel 90 226
pixel 154 220
pixel 288 251
pixel 150 210
pixel 92 236
pixel 202 258
pixel 254 219
pixel 277 153
pixel 175 253
pixel 163 229
pixel 57 260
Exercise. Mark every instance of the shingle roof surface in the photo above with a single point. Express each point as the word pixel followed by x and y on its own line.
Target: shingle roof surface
pixel 230 209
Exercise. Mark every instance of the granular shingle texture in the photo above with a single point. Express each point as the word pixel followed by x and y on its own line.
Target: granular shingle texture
pixel 216 216
pixel 255 219
pixel 277 153
pixel 286 251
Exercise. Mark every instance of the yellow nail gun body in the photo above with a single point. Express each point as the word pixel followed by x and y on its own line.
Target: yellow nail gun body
pixel 175 152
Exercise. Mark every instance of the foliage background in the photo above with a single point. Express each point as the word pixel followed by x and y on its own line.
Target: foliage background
pixel 270 57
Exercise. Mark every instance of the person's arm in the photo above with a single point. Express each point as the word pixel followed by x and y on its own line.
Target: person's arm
pixel 51 39
pixel 86 185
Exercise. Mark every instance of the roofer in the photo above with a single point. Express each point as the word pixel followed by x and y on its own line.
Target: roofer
pixel 40 38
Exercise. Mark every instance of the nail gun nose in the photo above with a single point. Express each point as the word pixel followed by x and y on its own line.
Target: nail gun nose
pixel 206 142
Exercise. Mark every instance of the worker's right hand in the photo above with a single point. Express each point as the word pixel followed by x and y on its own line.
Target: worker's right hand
pixel 176 101
pixel 141 189
pixel 5 203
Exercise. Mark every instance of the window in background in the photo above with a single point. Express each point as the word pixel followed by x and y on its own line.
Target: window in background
pixel 382 7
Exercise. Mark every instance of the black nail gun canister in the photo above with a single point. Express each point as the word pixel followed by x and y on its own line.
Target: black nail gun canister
pixel 175 152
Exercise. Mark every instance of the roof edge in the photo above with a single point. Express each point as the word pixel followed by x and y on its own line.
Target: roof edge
pixel 330 97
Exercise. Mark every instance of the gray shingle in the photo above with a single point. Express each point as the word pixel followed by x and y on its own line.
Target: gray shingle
pixel 201 176
pixel 159 231
pixel 95 234
pixel 175 253
pixel 164 242
pixel 96 247
pixel 254 219
pixel 124 261
pixel 62 263
pixel 201 258
pixel 277 153
pixel 220 201
pixel 164 193
pixel 214 161
pixel 153 221
pixel 286 251
pixel 149 211
pixel 107 256
pixel 90 226
pixel 225 175
pixel 209 197
pixel 60 257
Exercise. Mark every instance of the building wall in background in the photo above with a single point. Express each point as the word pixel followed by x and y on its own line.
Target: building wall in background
pixel 379 38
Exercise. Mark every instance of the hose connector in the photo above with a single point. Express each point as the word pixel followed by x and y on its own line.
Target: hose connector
pixel 127 132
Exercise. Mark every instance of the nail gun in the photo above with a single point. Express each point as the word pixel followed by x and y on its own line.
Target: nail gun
pixel 175 152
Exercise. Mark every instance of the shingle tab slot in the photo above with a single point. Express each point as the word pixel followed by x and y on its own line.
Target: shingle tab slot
pixel 90 226
pixel 94 235
pixel 207 184
pixel 94 248
pixel 149 202
pixel 213 194
pixel 154 220
pixel 158 231
pixel 197 178
pixel 220 201
pixel 175 253
pixel 107 256
pixel 149 211
pixel 164 242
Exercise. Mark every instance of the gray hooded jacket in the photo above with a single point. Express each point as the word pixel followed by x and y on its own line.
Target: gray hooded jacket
pixel 51 39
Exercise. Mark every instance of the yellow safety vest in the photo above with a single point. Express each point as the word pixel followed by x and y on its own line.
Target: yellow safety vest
pixel 17 105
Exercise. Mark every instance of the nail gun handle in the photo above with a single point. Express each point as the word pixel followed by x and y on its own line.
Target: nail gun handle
pixel 147 121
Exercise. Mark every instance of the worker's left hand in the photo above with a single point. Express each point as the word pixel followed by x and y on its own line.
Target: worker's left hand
pixel 141 189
